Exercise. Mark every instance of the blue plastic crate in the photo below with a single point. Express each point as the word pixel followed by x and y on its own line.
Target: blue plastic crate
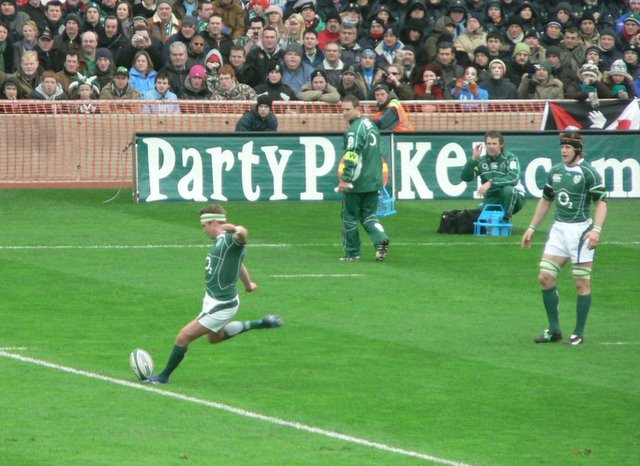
pixel 386 204
pixel 491 223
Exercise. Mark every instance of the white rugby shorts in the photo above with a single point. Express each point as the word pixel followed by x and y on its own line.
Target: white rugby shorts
pixel 566 240
pixel 216 314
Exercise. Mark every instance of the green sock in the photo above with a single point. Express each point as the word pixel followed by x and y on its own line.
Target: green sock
pixel 177 355
pixel 551 300
pixel 582 312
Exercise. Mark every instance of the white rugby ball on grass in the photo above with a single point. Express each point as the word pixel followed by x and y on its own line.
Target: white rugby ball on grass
pixel 141 364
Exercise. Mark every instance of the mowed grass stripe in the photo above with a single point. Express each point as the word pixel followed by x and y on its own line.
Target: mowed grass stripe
pixel 233 410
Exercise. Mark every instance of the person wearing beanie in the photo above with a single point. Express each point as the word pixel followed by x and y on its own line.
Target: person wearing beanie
pixel 574 235
pixel 442 27
pixel 537 52
pixel 481 62
pixel 391 115
pixel 260 118
pixel 70 38
pixel 589 34
pixel 558 70
pixel 539 84
pixel 318 89
pixel 473 37
pixel 387 49
pixel 552 34
pixel 519 64
pixel 529 15
pixel 195 85
pixel 620 81
pixel 630 29
pixel 632 60
pixel 608 48
pixel 495 18
pixel 92 18
pixel 188 29
pixel 515 31
pixel 588 86
pixel 274 87
pixel 105 67
pixel 331 30
pixel 350 83
pixel 457 11
pixel 498 87
pixel 13 19
pixel 296 73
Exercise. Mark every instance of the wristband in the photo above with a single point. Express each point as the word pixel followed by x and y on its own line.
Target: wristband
pixel 532 228
pixel 597 228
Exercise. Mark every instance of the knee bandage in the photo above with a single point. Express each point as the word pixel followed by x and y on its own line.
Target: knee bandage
pixel 550 267
pixel 581 272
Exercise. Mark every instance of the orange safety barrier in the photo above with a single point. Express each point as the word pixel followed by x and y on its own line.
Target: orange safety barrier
pixel 67 144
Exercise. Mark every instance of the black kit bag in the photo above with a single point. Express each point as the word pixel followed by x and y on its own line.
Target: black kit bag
pixel 458 221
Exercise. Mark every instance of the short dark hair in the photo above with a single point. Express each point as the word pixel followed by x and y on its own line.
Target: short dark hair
pixel 163 75
pixel 257 19
pixel 353 99
pixel 494 135
pixel 310 31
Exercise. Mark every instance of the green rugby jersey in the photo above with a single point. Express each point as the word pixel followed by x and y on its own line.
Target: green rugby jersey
pixel 362 160
pixel 573 189
pixel 504 170
pixel 222 267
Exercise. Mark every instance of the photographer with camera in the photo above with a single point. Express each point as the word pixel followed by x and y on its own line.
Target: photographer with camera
pixel 393 78
pixel 588 86
pixel 466 87
pixel 430 85
pixel 539 84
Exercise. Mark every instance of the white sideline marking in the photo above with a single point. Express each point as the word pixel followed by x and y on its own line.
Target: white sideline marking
pixel 13 348
pixel 233 410
pixel 319 275
pixel 620 343
pixel 514 242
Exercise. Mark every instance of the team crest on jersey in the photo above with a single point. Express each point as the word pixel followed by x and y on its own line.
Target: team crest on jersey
pixel 576 179
pixel 557 177
pixel 493 166
pixel 484 166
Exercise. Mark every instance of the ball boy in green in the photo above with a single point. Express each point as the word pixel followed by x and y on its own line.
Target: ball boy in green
pixel 572 186
pixel 360 179
pixel 499 173
pixel 223 268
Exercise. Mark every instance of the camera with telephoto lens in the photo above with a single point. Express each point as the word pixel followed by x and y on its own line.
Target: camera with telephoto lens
pixel 438 81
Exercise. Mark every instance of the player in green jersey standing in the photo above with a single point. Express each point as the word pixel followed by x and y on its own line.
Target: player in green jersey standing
pixel 572 185
pixel 360 179
pixel 223 267
pixel 499 172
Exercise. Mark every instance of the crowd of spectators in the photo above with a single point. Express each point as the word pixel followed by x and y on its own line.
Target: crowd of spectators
pixel 318 50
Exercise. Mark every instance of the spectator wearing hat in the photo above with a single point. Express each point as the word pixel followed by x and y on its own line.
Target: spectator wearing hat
pixel 387 49
pixel 318 89
pixel 331 31
pixel 593 54
pixel 349 83
pixel 49 88
pixel 367 69
pixel 48 56
pixel 332 64
pixel 633 7
pixel 552 34
pixel 163 24
pixel 498 86
pixel 53 18
pixel 259 59
pixel 539 84
pixel 564 14
pixel 233 16
pixel 457 11
pixel 519 64
pixel 620 81
pixel 589 34
pixel 274 18
pixel 630 30
pixel 274 87
pixel 195 85
pixel 28 76
pixel 10 90
pixel 371 38
pixel 537 51
pixel 307 9
pixel 608 48
pixel 212 63
pixel 13 19
pixel 108 7
pixel 120 88
pixel 350 13
pixel 34 9
pixel 112 36
pixel 406 58
pixel 441 33
pixel 558 71
pixel 383 14
pixel 417 17
pixel 430 83
pixel 70 70
pixel 296 73
pixel 630 57
pixel 259 118
pixel 515 32
pixel 93 18
pixel 391 115
pixel 481 62
pixel 229 88
pixel 84 88
pixel 588 86
pixel 142 75
pixel 105 67
pixel 188 29
pixel 412 34
pixel 472 38
pixel 311 53
pixel 529 16
pixel 494 17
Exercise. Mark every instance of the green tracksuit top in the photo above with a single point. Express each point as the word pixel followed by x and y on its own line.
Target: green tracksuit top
pixel 362 158
pixel 504 170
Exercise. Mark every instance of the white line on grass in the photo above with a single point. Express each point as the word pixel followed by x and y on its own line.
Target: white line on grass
pixel 514 242
pixel 233 410
pixel 319 275
pixel 620 343
pixel 13 348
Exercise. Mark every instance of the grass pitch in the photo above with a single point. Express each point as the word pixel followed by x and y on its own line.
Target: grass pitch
pixel 424 359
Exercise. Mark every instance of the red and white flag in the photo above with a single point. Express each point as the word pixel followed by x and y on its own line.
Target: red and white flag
pixel 610 115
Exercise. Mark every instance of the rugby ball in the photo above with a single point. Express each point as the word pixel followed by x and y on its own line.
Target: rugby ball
pixel 141 364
